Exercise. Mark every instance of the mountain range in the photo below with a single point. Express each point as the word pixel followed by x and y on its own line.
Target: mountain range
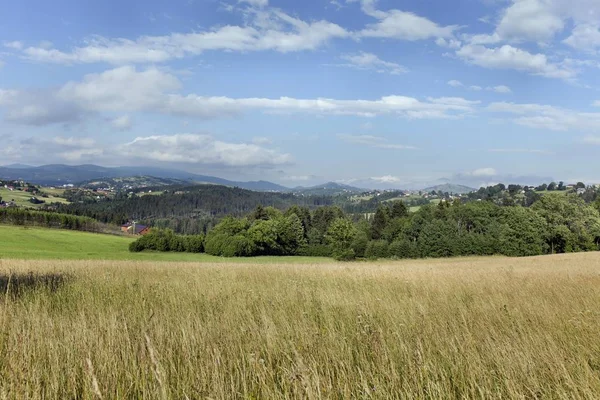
pixel 60 174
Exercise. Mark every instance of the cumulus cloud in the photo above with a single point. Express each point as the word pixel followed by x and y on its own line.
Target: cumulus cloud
pixel 261 140
pixel 403 25
pixel 266 30
pixel 201 149
pixel 548 117
pixel 373 141
pixel 153 90
pixel 449 43
pixel 584 37
pixel 509 57
pixel 455 83
pixel 531 20
pixel 369 61
pixel 183 149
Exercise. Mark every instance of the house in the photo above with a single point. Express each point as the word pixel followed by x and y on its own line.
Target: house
pixel 135 229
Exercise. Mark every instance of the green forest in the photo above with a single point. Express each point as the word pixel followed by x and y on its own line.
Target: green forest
pixel 552 224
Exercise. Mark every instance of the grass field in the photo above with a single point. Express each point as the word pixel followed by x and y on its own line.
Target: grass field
pixel 486 328
pixel 22 198
pixel 51 244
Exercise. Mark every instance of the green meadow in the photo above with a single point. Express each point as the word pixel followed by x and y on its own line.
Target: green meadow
pixel 17 242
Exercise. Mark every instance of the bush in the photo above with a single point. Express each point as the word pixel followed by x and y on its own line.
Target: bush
pixel 344 255
pixel 166 240
pixel 403 248
pixel 377 249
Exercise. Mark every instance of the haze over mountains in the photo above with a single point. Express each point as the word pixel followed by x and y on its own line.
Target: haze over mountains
pixel 59 174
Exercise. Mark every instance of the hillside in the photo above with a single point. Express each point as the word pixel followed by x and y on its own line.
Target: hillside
pixel 450 188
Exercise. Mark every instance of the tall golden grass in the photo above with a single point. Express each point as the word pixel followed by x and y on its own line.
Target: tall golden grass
pixel 485 328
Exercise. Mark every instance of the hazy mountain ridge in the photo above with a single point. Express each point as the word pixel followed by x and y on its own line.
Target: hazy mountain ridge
pixel 59 174
pixel 450 188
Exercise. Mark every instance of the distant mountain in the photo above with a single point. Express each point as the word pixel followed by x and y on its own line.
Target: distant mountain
pixel 22 166
pixel 450 188
pixel 328 189
pixel 59 174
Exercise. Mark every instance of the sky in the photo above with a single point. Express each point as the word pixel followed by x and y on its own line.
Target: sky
pixel 386 94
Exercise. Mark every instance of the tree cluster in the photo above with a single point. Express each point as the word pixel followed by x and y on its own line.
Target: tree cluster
pixel 167 240
pixel 553 224
pixel 25 217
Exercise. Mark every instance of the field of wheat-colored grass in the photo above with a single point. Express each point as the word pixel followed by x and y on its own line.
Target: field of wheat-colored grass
pixel 485 328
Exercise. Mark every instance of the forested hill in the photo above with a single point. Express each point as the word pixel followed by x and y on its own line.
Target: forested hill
pixel 188 209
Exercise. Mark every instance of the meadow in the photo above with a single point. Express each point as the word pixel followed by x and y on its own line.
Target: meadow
pixel 18 242
pixel 481 328
pixel 21 198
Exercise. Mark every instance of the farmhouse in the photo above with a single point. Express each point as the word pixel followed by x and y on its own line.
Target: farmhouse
pixel 135 229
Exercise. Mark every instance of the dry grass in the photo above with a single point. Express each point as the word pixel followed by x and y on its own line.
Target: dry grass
pixel 468 328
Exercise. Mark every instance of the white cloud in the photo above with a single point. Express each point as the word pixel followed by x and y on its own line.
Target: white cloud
pixel 122 123
pixel 105 91
pixel 201 149
pixel 373 141
pixel 509 57
pixel 369 61
pixel 266 30
pixel 484 172
pixel 584 37
pixel 531 20
pixel 449 43
pixel 499 89
pixel 190 149
pixel 405 25
pixel 548 117
pixel 596 103
pixel 255 3
pixel 153 90
pixel 65 149
pixel 16 45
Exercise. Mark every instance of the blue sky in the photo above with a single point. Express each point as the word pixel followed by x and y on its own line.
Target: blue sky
pixel 377 93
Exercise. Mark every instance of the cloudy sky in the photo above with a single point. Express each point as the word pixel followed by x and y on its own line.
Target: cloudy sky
pixel 395 93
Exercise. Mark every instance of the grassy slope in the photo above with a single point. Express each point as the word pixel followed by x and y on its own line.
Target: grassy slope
pixel 488 328
pixel 50 244
pixel 22 198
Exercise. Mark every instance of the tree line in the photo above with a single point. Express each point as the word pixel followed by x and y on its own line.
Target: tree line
pixel 553 224
pixel 26 217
